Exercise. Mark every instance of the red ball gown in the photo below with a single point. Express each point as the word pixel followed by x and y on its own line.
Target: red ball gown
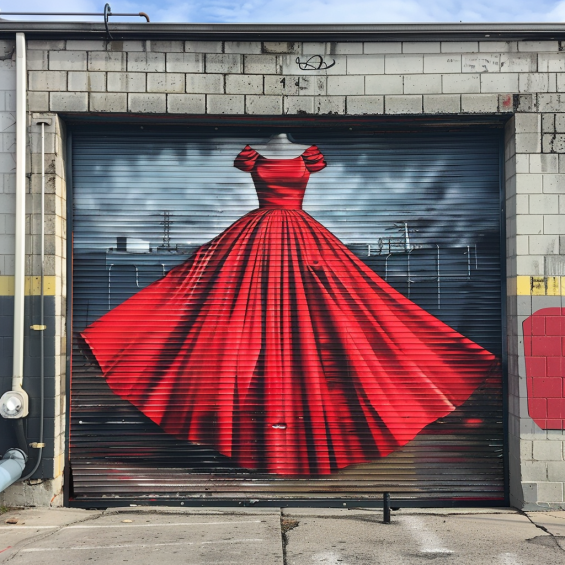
pixel 279 348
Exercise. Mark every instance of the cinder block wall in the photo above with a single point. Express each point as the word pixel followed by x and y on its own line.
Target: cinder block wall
pixel 521 80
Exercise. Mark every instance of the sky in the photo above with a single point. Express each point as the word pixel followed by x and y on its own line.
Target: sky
pixel 312 11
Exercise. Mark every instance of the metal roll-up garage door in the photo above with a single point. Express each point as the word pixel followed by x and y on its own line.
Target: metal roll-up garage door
pixel 317 319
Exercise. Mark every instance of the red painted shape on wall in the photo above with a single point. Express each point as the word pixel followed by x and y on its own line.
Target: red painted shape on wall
pixel 544 348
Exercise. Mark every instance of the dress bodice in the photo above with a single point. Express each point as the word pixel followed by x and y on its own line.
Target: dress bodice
pixel 280 183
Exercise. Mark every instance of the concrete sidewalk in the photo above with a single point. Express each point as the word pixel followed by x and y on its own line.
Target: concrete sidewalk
pixel 146 536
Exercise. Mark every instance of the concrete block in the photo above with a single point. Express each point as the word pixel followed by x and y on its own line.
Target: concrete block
pixel 165 82
pixel 67 60
pixel 247 47
pixel 147 103
pixel 533 471
pixel 260 64
pixel 385 84
pixel 185 62
pixel 37 60
pixel 108 102
pixel 560 82
pixel 285 85
pixel 311 85
pixel 528 143
pixel 555 224
pixel 544 163
pixel 186 104
pixel 244 84
pixel 86 45
pixel 68 102
pixel 223 63
pixel 461 83
pixel 126 82
pixel 315 48
pixel 554 184
pixel 167 46
pixel 498 46
pixel 289 66
pixel 530 491
pixel 46 44
pixel 85 81
pixel 365 64
pixel 550 492
pixel 107 61
pixel 38 101
pixel 346 48
pixel 544 245
pixel 529 184
pixel 518 62
pixel 47 80
pixel 205 84
pixel 533 82
pixel 479 103
pixel 548 123
pixel 146 62
pixel 298 104
pixel 348 85
pixel 559 122
pixel 442 104
pixel 483 63
pixel 459 46
pixel 360 105
pixel 370 47
pixel 543 203
pixel 421 47
pixel 8 79
pixel 527 123
pixel 329 105
pixel 556 471
pixel 523 164
pixel 422 84
pixel 409 104
pixel 551 62
pixel 534 46
pixel 203 46
pixel 506 103
pixel 264 105
pixel 444 63
pixel 225 104
pixel 129 45
pixel 499 82
pixel 529 224
pixel 280 47
pixel 403 64
pixel 551 102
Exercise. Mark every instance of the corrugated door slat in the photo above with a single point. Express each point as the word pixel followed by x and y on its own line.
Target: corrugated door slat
pixel 354 389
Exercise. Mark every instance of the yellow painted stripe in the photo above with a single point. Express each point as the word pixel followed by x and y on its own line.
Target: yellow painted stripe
pixel 539 286
pixel 32 286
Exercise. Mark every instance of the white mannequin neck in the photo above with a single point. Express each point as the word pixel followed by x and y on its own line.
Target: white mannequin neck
pixel 280 146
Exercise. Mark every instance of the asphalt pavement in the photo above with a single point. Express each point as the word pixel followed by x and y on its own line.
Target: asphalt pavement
pixel 163 536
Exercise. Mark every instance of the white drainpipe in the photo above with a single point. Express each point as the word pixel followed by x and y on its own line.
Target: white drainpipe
pixel 14 404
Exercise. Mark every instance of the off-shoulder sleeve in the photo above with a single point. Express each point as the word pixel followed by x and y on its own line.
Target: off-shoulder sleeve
pixel 245 161
pixel 313 159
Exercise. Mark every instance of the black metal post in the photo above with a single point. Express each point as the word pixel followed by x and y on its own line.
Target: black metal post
pixel 386 507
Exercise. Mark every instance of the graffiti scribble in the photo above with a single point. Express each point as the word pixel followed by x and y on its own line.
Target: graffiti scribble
pixel 314 63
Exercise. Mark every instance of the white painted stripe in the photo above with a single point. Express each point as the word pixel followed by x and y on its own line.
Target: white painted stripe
pixel 508 559
pixel 429 541
pixel 128 545
pixel 177 524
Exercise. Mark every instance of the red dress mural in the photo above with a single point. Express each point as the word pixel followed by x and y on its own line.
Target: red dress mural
pixel 276 346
